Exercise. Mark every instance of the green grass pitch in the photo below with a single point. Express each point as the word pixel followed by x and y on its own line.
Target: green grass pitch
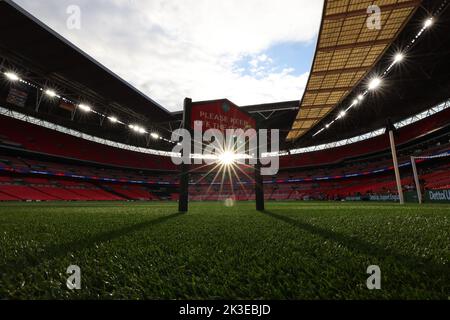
pixel 294 250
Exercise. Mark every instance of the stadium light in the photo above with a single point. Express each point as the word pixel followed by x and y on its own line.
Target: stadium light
pixel 398 57
pixel 113 119
pixel 154 135
pixel 355 102
pixel 360 97
pixel 327 125
pixel 374 83
pixel 342 114
pixel 84 107
pixel 51 93
pixel 137 128
pixel 428 23
pixel 134 127
pixel 12 76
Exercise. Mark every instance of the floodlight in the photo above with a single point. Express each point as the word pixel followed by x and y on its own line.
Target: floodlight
pixel 398 57
pixel 51 93
pixel 428 23
pixel 84 107
pixel 12 76
pixel 374 83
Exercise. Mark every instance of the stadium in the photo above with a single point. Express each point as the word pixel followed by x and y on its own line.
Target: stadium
pixel 88 181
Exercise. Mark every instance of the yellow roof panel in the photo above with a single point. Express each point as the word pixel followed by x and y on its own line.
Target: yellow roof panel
pixel 347 50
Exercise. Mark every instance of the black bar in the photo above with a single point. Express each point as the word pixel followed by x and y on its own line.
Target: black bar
pixel 183 202
pixel 230 309
pixel 259 185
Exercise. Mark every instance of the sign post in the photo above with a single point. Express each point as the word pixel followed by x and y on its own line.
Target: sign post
pixel 220 115
pixel 259 183
pixel 183 202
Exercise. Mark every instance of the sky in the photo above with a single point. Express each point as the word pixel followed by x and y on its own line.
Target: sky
pixel 249 51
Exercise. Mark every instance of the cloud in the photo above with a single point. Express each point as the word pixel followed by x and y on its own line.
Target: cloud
pixel 174 49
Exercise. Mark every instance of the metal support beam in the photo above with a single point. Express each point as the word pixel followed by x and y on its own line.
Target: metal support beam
pixel 72 116
pixel 274 110
pixel 39 96
pixel 266 117
pixel 259 183
pixel 325 90
pixel 355 45
pixel 183 202
pixel 309 119
pixel 339 71
pixel 318 106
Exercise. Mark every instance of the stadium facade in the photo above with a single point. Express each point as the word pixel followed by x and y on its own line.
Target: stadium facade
pixel 72 130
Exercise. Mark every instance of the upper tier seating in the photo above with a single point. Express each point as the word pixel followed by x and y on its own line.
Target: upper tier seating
pixel 69 146
pixel 36 139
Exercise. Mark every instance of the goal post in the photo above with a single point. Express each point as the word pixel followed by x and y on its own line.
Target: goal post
pixel 414 160
pixel 416 179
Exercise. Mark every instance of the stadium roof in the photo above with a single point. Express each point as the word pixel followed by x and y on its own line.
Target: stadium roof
pixel 347 50
pixel 28 42
pixel 419 83
pixel 274 115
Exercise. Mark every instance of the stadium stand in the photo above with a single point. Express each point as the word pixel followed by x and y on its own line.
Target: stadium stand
pixel 41 163
pixel 72 147
pixel 28 173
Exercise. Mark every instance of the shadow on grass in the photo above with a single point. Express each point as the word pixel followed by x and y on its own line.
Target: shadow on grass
pixel 433 270
pixel 61 250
